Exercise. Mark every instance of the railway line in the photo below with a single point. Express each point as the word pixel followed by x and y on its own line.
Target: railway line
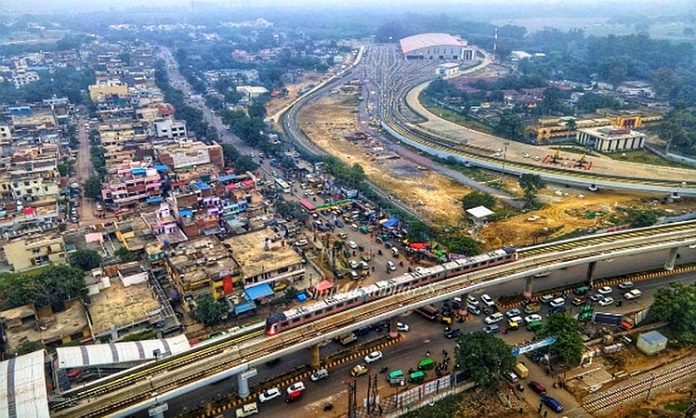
pixel 256 350
pixel 626 393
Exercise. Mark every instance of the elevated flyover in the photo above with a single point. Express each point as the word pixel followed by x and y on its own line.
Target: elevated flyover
pixel 176 376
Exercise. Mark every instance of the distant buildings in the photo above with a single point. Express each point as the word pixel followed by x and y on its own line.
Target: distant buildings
pixel 611 139
pixel 27 253
pixel 447 70
pixel 436 46
pixel 251 92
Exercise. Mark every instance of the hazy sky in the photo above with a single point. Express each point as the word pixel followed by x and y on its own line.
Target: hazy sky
pixel 613 6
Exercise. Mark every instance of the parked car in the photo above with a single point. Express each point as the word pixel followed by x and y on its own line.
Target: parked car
pixel 354 275
pixel 352 244
pixel 269 395
pixel 402 327
pixel 626 285
pixel 633 294
pixel 606 301
pixel 487 300
pixel 318 375
pixel 453 333
pixel 494 318
pixel 578 301
pixel 512 377
pixel 605 290
pixel 552 403
pixel 596 297
pixel 247 410
pixel 474 310
pixel 391 266
pixel 491 329
pixel 558 309
pixel 513 312
pixel 373 356
pixel 557 302
pixel 353 264
pixel 531 318
pixel 547 298
pixel 472 301
pixel 537 387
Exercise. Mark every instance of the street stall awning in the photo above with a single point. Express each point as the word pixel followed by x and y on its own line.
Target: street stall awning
pixel 241 308
pixel 391 223
pixel 323 286
pixel 307 205
pixel 259 292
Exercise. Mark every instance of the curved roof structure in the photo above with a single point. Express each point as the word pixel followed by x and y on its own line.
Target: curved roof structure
pixel 427 40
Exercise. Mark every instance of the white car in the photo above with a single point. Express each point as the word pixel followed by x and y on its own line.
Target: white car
pixel 626 285
pixel 547 298
pixel 633 294
pixel 402 327
pixel 472 301
pixel 487 300
pixel 512 313
pixel 352 244
pixel 354 275
pixel 372 357
pixel 604 290
pixel 557 302
pixel 606 301
pixel 492 319
pixel 318 375
pixel 391 266
pixel 532 318
pixel 297 386
pixel 269 395
pixel 353 264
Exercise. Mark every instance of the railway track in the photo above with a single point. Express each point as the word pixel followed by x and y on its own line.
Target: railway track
pixel 226 355
pixel 615 397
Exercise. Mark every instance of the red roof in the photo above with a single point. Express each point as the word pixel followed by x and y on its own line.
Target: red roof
pixel 323 286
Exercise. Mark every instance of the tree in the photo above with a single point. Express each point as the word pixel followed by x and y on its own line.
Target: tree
pixel 126 255
pixel 93 188
pixel 676 305
pixel 291 293
pixel 510 125
pixel 85 259
pixel 483 357
pixel 665 82
pixel 477 198
pixel 569 345
pixel 50 286
pixel 530 184
pixel 643 218
pixel 245 163
pixel 571 125
pixel 208 310
pixel 27 347
pixel 461 244
pixel 63 169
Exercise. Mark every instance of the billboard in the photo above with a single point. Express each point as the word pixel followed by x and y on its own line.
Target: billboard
pixel 607 318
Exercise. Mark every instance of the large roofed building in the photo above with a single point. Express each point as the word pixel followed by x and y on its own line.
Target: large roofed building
pixel 436 46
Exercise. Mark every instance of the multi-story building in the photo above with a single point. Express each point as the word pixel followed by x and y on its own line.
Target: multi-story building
pixel 170 128
pixel 188 154
pixel 164 226
pixel 27 253
pixel 611 139
pixel 128 186
pixel 107 88
pixel 5 135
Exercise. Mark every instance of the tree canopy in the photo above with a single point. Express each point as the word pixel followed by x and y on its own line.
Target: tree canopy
pixel 568 347
pixel 49 286
pixel 676 305
pixel 126 255
pixel 477 198
pixel 483 357
pixel 530 184
pixel 208 310
pixel 85 260
pixel 93 188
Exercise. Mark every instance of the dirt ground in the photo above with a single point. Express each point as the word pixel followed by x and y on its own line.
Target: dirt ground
pixel 671 404
pixel 568 210
pixel 329 120
pixel 276 104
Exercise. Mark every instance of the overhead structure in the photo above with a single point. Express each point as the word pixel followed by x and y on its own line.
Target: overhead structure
pixel 436 46
pixel 23 391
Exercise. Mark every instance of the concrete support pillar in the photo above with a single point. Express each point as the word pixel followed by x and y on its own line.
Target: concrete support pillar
pixel 315 360
pixel 393 331
pixel 242 385
pixel 671 259
pixel 590 272
pixel 528 287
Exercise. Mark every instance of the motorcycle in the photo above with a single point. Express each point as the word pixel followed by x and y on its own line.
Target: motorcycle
pixel 328 406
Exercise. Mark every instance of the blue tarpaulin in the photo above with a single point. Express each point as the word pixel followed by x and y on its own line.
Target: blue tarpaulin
pixel 154 200
pixel 161 168
pixel 185 213
pixel 391 223
pixel 138 171
pixel 228 177
pixel 259 292
pixel 240 308
pixel 301 297
pixel 202 185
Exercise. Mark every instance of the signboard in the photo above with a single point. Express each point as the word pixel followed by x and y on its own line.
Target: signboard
pixel 607 318
pixel 158 409
pixel 533 346
pixel 249 374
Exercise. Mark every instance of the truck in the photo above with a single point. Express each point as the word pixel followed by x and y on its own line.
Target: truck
pixel 521 370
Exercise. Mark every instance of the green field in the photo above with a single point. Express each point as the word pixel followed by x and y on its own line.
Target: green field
pixel 643 157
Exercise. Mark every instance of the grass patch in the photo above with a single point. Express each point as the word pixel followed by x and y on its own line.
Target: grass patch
pixel 679 406
pixel 644 157
pixel 445 407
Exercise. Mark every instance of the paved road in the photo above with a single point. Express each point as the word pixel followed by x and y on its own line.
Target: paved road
pixel 84 171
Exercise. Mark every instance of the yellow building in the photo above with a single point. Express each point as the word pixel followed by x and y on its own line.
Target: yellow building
pixel 553 128
pixel 99 92
pixel 25 254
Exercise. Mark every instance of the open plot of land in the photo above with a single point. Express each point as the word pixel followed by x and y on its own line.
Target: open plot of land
pixel 278 103
pixel 328 121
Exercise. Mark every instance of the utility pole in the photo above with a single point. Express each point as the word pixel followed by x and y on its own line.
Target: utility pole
pixel 691 410
pixel 352 404
pixel 652 382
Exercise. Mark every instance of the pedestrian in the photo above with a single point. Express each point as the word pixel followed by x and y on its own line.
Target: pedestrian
pixel 444 352
pixel 546 413
pixel 427 353
pixel 541 405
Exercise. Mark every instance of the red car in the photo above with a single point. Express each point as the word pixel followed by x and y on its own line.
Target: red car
pixel 537 387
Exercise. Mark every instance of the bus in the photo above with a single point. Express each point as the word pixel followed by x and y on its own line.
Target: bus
pixel 428 311
pixel 282 185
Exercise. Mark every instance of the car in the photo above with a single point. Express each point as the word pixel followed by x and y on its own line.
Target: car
pixel 318 375
pixel 633 294
pixel 269 395
pixel 352 244
pixel 359 370
pixel 547 298
pixel 391 266
pixel 339 224
pixel 487 300
pixel 626 285
pixel 552 403
pixel 531 318
pixel 494 318
pixel 558 309
pixel 513 312
pixel 453 333
pixel 596 297
pixel 247 410
pixel 354 227
pixel 296 387
pixel 512 377
pixel 537 158
pixel 343 235
pixel 301 243
pixel 605 290
pixel 364 265
pixel 472 301
pixel 474 310
pixel 606 301
pixel 353 275
pixel 456 303
pixel 578 301
pixel 491 329
pixel 353 264
pixel 402 327
pixel 557 302
pixel 373 356
pixel 537 387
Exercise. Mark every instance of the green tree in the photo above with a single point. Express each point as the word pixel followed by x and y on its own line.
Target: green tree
pixel 245 163
pixel 643 218
pixel 461 244
pixel 63 169
pixel 530 184
pixel 571 125
pixel 27 347
pixel 126 255
pixel 85 260
pixel 510 125
pixel 50 286
pixel 93 188
pixel 483 357
pixel 568 346
pixel 676 305
pixel 208 310
pixel 665 82
pixel 477 198
pixel 291 293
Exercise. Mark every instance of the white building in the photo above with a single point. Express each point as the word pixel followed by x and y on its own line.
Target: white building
pixel 436 46
pixel 170 128
pixel 5 134
pixel 610 139
pixel 23 77
pixel 251 92
pixel 447 70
